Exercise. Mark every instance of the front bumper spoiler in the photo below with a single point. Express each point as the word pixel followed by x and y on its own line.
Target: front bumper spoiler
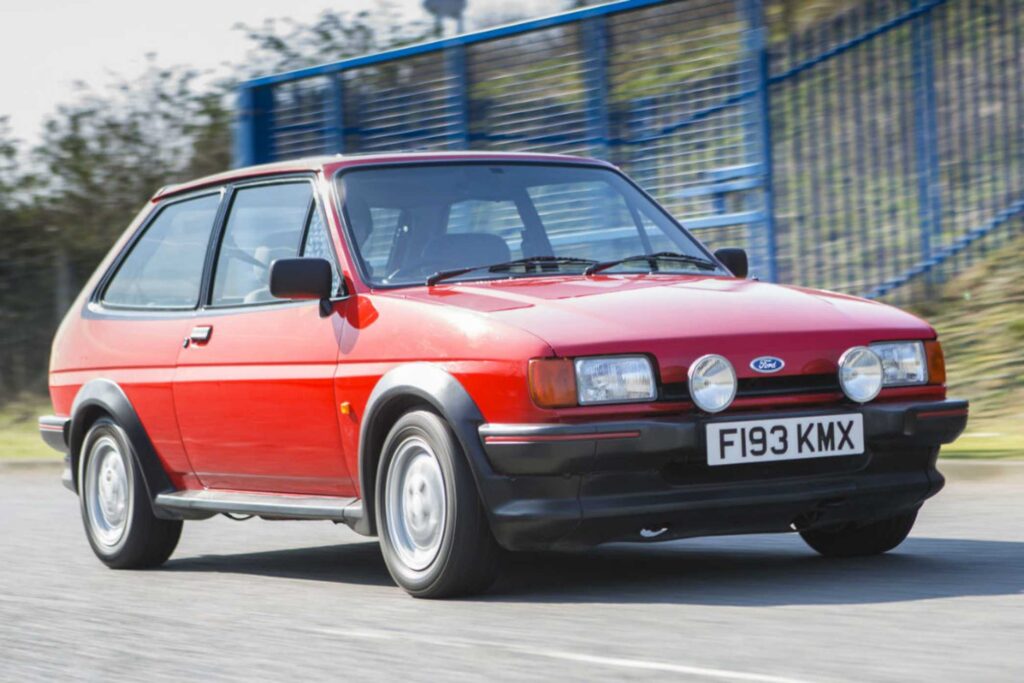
pixel 571 485
pixel 537 449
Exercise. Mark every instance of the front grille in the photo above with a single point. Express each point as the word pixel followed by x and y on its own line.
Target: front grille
pixel 751 387
pixel 797 384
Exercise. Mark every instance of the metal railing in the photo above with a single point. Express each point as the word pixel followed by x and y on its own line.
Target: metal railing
pixel 879 148
pixel 898 146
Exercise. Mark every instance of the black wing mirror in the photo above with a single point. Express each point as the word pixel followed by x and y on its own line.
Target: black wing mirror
pixel 302 278
pixel 734 259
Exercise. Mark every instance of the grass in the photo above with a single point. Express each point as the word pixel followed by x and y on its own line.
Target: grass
pixel 976 443
pixel 19 429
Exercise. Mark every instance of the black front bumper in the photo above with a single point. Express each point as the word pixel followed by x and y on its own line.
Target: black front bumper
pixel 573 485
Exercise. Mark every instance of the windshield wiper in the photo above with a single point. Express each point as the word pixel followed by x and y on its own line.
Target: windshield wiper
pixel 652 261
pixel 509 265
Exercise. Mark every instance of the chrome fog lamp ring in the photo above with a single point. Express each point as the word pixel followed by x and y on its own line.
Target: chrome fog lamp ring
pixel 712 382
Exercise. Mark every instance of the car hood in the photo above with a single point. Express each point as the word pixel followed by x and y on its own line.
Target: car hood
pixel 679 318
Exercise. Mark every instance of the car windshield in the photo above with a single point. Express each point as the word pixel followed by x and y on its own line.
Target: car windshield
pixel 412 224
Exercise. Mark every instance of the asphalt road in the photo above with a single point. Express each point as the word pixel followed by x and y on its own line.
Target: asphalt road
pixel 308 600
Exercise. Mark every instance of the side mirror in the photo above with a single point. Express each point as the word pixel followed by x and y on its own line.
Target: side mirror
pixel 301 278
pixel 734 259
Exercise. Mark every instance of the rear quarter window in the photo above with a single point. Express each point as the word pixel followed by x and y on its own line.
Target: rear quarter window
pixel 164 268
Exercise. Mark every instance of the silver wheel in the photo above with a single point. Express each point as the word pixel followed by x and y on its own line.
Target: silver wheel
pixel 108 493
pixel 416 503
pixel 434 534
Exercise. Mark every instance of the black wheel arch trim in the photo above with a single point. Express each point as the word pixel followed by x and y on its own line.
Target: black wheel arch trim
pixel 398 390
pixel 105 396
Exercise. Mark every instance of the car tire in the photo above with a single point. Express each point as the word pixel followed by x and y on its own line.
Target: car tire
pixel 859 540
pixel 116 510
pixel 434 534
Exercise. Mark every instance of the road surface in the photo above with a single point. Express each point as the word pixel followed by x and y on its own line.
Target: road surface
pixel 308 600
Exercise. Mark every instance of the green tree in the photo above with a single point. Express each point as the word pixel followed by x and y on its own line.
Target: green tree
pixel 107 152
pixel 285 44
pixel 24 254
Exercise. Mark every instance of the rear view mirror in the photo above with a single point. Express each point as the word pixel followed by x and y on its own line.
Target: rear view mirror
pixel 734 259
pixel 301 278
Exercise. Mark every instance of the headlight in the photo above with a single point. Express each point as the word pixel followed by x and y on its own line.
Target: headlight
pixel 614 379
pixel 712 383
pixel 903 363
pixel 860 374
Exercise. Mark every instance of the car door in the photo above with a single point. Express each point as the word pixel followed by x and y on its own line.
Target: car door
pixel 254 390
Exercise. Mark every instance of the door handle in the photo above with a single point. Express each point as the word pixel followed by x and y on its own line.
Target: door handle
pixel 200 334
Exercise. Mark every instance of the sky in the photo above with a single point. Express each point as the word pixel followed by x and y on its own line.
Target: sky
pixel 47 45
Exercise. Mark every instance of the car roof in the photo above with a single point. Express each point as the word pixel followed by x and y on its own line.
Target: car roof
pixel 330 163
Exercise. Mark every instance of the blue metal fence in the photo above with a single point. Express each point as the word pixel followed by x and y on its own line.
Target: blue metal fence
pixel 877 149
pixel 898 146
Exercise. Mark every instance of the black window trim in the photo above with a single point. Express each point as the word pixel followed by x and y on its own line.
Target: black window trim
pixel 357 257
pixel 98 294
pixel 209 272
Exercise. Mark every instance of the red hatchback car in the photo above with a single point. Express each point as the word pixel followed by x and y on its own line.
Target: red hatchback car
pixel 476 352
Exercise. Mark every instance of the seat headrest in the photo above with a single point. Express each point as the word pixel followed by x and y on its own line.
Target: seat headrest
pixel 466 249
pixel 360 219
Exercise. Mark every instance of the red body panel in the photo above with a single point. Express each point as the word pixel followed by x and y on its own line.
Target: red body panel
pixel 255 402
pixel 138 355
pixel 257 406
pixel 678 318
pixel 384 331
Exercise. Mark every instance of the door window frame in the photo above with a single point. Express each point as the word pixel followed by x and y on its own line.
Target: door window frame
pixel 232 188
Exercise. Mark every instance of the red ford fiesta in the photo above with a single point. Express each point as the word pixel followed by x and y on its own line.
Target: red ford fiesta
pixel 466 354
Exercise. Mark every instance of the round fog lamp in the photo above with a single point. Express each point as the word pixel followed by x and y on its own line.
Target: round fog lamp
pixel 860 374
pixel 712 383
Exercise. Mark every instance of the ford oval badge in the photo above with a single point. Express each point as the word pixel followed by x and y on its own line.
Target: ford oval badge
pixel 767 364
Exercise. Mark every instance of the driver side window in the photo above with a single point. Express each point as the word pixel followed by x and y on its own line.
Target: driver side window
pixel 265 223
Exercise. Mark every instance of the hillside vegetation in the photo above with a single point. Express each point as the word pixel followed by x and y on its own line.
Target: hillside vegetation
pixel 980 319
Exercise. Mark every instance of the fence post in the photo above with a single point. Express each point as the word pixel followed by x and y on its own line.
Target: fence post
pixel 458 96
pixel 253 144
pixel 595 44
pixel 758 124
pixel 926 136
pixel 336 109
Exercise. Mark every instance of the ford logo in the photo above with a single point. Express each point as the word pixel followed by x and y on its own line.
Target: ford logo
pixel 767 364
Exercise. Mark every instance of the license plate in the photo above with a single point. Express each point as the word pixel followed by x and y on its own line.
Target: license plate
pixel 791 438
